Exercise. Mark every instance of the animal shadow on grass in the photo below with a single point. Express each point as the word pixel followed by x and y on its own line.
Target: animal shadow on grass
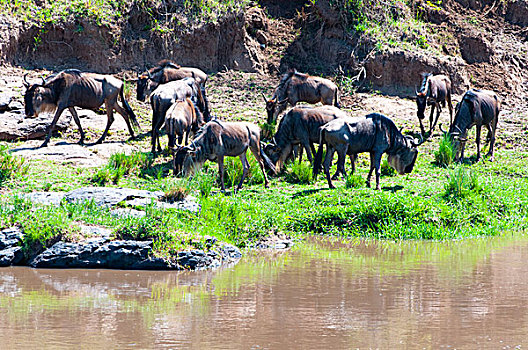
pixel 392 189
pixel 308 192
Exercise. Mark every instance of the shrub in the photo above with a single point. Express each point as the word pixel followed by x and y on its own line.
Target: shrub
pixel 462 183
pixel 10 165
pixel 299 173
pixel 354 181
pixel 446 151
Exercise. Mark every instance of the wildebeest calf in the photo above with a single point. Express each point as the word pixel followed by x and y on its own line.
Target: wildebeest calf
pixel 436 91
pixel 218 139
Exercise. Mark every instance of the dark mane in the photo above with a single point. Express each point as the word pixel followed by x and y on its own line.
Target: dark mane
pixel 164 64
pixel 425 82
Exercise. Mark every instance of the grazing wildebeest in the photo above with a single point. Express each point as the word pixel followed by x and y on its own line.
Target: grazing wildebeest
pixel 164 97
pixel 181 118
pixel 435 91
pixel 72 88
pixel 375 134
pixel 478 107
pixel 298 87
pixel 218 139
pixel 168 71
pixel 300 126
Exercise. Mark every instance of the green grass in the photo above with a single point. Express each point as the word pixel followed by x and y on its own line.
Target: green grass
pixel 10 166
pixel 446 151
pixel 299 173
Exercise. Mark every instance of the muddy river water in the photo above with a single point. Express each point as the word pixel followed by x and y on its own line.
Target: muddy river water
pixel 323 294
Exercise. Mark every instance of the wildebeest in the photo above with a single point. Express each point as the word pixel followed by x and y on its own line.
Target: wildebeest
pixel 72 88
pixel 374 133
pixel 168 71
pixel 298 87
pixel 435 91
pixel 181 118
pixel 164 97
pixel 478 107
pixel 218 139
pixel 300 126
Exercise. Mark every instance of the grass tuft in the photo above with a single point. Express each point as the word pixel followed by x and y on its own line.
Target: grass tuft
pixel 462 183
pixel 446 151
pixel 354 181
pixel 299 173
pixel 10 165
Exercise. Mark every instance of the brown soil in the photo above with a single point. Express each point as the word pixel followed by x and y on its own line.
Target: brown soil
pixel 478 49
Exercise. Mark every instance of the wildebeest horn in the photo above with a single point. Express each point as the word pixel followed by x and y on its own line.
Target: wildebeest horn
pixel 43 81
pixel 442 129
pixel 264 96
pixel 26 83
pixel 415 90
pixel 149 74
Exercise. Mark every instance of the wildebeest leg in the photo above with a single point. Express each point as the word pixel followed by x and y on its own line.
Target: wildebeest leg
pixel 421 127
pixel 245 169
pixel 110 120
pixel 126 117
pixel 59 111
pixel 450 106
pixel 255 149
pixel 220 160
pixel 431 117
pixel 438 111
pixel 491 136
pixel 78 122
pixel 312 148
pixel 156 125
pixel 371 169
pixel 306 146
pixel 327 163
pixel 478 141
pixel 377 166
pixel 298 149
pixel 340 165
pixel 353 157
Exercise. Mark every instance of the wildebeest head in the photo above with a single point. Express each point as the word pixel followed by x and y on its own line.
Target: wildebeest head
pixel 272 151
pixel 37 99
pixel 421 102
pixel 273 107
pixel 403 160
pixel 188 160
pixel 145 86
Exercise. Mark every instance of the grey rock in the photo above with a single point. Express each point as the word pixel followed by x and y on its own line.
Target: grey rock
pixel 46 198
pixel 13 126
pixel 5 99
pixel 10 237
pixel 11 256
pixel 107 196
pixel 124 212
pixel 101 253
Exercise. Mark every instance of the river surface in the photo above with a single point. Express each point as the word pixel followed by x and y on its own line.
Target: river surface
pixel 323 294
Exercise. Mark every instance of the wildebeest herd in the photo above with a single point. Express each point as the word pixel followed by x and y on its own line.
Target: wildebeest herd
pixel 179 101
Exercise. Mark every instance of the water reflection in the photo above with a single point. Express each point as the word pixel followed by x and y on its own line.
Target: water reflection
pixel 324 294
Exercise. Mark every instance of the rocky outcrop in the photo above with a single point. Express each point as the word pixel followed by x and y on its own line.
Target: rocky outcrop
pixel 475 48
pixel 399 71
pixel 103 253
pixel 13 125
pixel 110 196
pixel 10 249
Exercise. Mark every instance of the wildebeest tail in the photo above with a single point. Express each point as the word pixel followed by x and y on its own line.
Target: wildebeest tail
pixel 268 161
pixel 129 109
pixel 336 98
pixel 319 155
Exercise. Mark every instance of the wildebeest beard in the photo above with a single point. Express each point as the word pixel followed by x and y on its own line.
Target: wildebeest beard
pixel 194 160
pixel 35 106
pixel 403 161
